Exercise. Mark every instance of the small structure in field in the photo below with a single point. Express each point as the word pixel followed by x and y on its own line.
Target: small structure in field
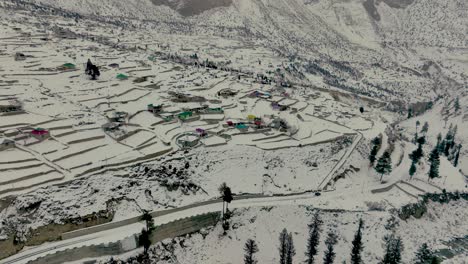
pixel 155 109
pixel 6 143
pixel 20 56
pixel 242 127
pixel 185 115
pixel 251 117
pixel 213 110
pixel 40 133
pixel 227 92
pixel 121 76
pixel 167 117
pixel 67 67
pixel 279 124
pixel 201 132
pixel 10 106
pixel 279 107
pixel 258 123
pixel 111 127
pixel 188 140
pixel 260 94
pixel 118 116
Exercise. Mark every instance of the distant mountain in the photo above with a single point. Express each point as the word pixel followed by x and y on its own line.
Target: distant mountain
pixel 192 7
pixel 377 47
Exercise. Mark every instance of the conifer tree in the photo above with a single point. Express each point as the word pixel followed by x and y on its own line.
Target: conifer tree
pixel 149 221
pixel 283 248
pixel 144 240
pixel 425 128
pixel 357 245
pixel 330 254
pixel 457 104
pixel 314 238
pixel 393 249
pixel 290 251
pixel 372 155
pixel 226 194
pixel 434 159
pixel 439 139
pixel 457 156
pixel 250 248
pixel 412 170
pixel 424 255
pixel 384 164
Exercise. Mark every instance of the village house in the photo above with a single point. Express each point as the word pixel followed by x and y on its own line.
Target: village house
pixel 10 106
pixel 227 92
pixel 188 141
pixel 213 110
pixel 40 133
pixel 6 143
pixel 155 109
pixel 20 56
pixel 111 127
pixel 185 115
pixel 118 116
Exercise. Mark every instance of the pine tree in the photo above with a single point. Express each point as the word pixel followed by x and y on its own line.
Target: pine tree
pixel 434 159
pixel 439 139
pixel 250 248
pixel 148 220
pixel 421 140
pixel 425 128
pixel 457 104
pixel 283 248
pixel 330 254
pixel 384 164
pixel 373 154
pixel 357 245
pixel 424 255
pixel 457 156
pixel 226 194
pixel 412 170
pixel 144 240
pixel 290 251
pixel 393 249
pixel 314 238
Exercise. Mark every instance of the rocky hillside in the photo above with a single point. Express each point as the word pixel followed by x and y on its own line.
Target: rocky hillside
pixel 398 50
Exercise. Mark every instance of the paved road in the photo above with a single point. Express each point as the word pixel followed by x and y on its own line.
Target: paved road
pixel 120 233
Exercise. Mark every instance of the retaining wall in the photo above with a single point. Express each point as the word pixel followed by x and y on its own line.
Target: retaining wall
pixel 172 229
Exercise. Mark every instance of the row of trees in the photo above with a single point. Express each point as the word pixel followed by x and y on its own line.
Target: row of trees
pixel 287 250
pixel 384 163
pixel 446 146
pixel 393 247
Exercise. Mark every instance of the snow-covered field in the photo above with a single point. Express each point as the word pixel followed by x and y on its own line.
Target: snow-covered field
pixel 263 95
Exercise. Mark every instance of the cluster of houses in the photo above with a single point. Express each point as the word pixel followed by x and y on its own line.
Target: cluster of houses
pixel 29 135
pixel 188 114
pixel 258 123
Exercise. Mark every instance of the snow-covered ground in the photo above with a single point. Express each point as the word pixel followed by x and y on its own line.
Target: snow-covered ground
pixel 317 61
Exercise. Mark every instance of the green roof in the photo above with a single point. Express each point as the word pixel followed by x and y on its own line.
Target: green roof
pixel 185 115
pixel 241 126
pixel 122 76
pixel 69 65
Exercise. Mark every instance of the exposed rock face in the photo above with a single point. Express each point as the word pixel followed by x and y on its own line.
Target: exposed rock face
pixel 192 7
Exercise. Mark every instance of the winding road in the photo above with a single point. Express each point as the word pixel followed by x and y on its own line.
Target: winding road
pixel 116 231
